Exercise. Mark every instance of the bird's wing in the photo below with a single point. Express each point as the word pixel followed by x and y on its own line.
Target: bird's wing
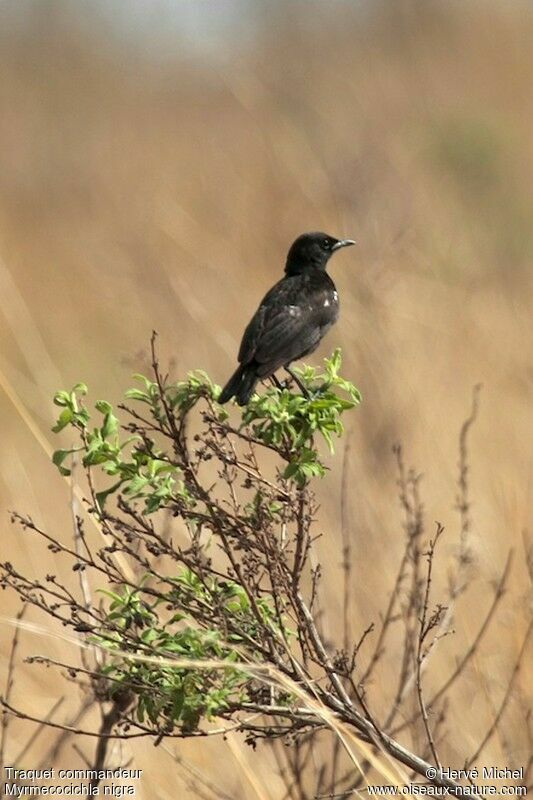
pixel 286 325
pixel 281 292
pixel 251 335
pixel 288 334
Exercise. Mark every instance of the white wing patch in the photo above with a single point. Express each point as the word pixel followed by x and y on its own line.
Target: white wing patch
pixel 294 311
pixel 334 300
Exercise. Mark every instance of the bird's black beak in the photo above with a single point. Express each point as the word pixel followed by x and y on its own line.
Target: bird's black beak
pixel 342 243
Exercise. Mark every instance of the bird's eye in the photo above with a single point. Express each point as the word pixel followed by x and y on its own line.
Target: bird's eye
pixel 326 243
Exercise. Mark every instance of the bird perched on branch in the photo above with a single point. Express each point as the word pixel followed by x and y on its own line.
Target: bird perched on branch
pixel 292 318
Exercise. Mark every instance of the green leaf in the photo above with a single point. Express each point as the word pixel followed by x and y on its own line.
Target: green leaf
pixel 136 485
pixel 110 425
pixel 62 398
pixel 64 419
pixel 102 496
pixel 291 469
pixel 58 457
pixel 137 394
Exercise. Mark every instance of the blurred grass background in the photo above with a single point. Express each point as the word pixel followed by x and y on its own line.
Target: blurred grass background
pixel 157 160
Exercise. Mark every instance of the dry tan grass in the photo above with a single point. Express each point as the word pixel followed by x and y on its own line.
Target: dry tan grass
pixel 137 194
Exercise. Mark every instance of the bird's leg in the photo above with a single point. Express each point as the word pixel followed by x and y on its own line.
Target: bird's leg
pixel 277 383
pixel 298 382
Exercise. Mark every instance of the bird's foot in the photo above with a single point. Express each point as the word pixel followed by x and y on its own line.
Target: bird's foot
pixel 299 384
pixel 278 384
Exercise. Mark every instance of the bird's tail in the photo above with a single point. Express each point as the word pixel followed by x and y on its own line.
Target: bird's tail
pixel 240 386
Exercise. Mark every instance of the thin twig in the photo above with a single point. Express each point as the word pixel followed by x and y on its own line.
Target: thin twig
pixel 426 625
pixel 10 679
pixel 505 699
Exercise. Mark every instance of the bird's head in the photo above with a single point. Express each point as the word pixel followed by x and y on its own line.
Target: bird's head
pixel 312 251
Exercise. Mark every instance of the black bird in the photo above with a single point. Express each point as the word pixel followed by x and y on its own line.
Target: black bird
pixel 292 318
